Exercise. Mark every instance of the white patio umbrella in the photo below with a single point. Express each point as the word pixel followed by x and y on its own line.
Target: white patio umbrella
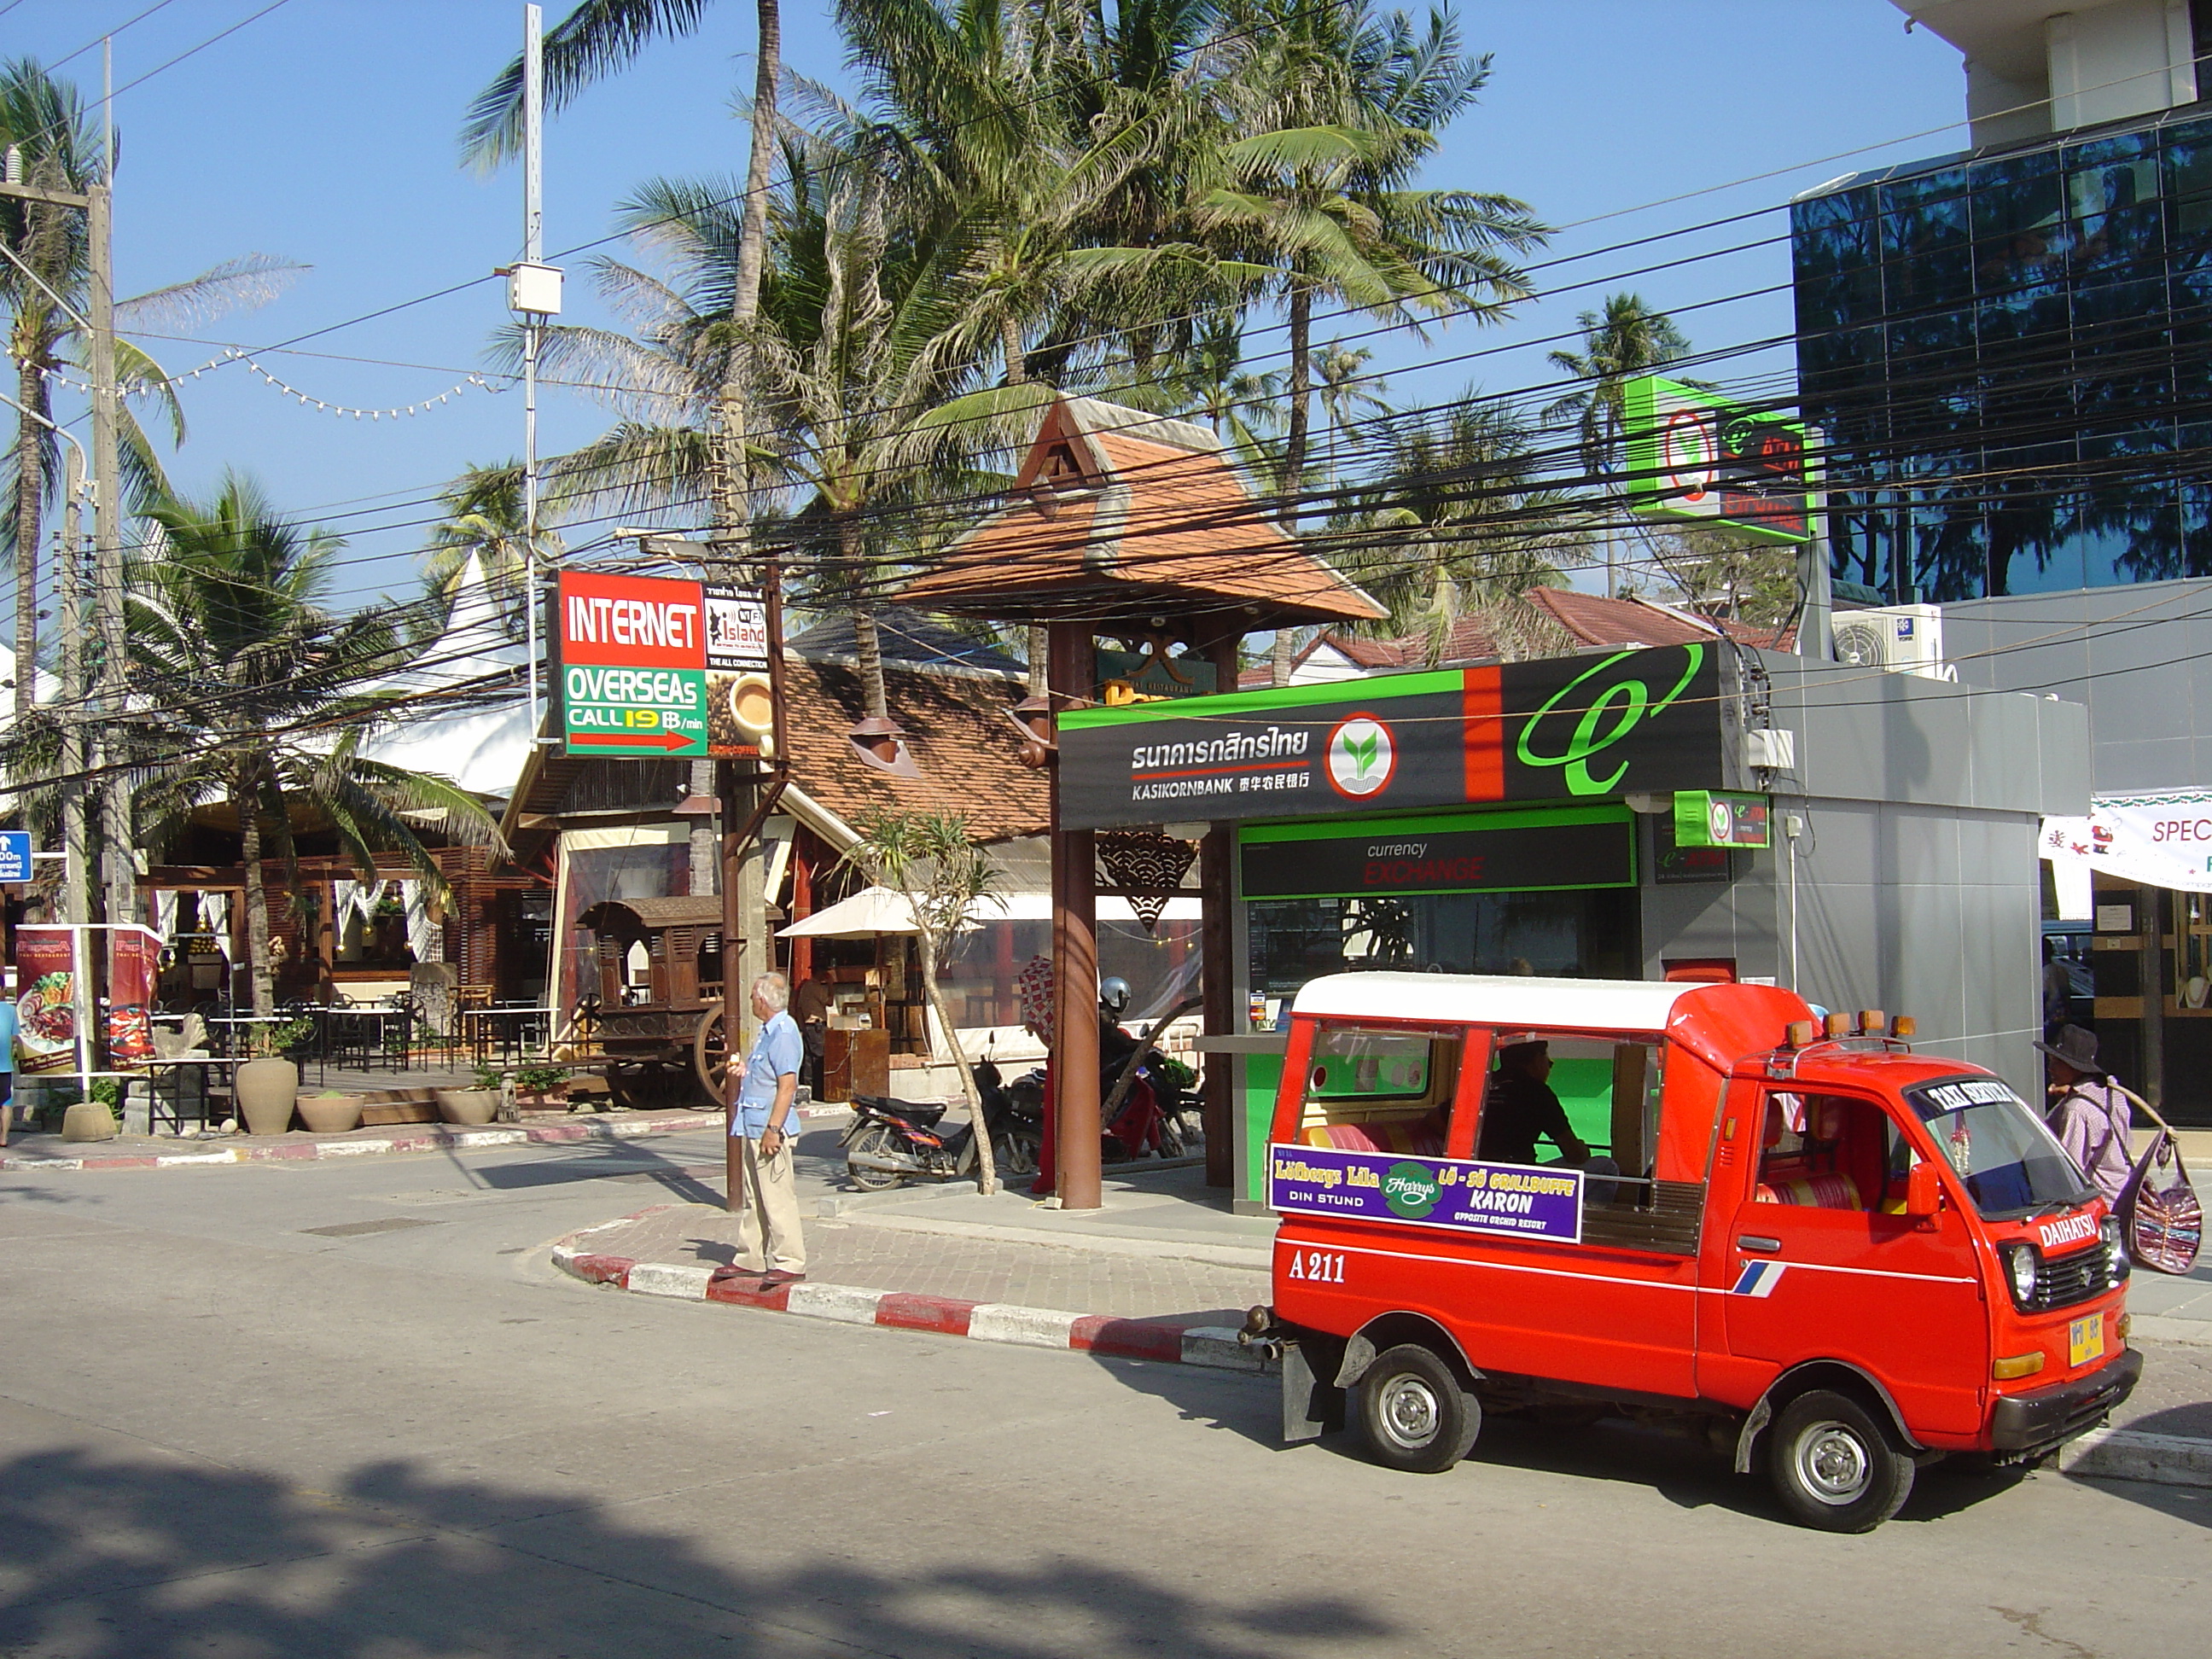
pixel 871 911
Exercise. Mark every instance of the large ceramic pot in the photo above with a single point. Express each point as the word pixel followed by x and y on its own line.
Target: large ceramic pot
pixel 267 1089
pixel 471 1107
pixel 332 1114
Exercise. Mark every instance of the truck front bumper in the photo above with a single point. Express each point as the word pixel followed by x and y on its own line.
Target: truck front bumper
pixel 2042 1417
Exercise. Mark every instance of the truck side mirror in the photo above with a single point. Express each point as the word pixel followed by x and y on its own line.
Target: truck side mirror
pixel 1923 1192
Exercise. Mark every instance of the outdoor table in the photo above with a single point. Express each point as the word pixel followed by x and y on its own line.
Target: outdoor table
pixel 514 1032
pixel 213 1069
pixel 365 1028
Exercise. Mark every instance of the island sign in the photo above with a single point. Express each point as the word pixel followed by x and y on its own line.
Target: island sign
pixel 633 666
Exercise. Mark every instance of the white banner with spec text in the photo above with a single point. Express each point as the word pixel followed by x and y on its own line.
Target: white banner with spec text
pixel 2164 840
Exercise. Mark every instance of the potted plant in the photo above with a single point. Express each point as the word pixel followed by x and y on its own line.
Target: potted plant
pixel 268 1085
pixel 329 1113
pixel 92 1117
pixel 472 1106
pixel 535 1086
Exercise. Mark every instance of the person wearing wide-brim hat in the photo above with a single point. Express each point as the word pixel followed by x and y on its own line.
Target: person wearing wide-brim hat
pixel 2090 1117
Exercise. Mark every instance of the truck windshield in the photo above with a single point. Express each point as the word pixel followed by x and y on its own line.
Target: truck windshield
pixel 2011 1164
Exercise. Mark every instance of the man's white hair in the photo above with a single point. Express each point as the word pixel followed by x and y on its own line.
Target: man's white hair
pixel 774 990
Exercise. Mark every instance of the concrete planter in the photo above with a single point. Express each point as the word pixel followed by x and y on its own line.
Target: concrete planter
pixel 267 1091
pixel 331 1114
pixel 470 1107
pixel 88 1120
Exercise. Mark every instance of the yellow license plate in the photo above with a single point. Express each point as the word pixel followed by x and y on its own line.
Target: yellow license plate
pixel 2085 1340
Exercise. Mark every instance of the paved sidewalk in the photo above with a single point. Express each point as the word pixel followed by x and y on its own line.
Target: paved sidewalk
pixel 957 1263
pixel 40 1151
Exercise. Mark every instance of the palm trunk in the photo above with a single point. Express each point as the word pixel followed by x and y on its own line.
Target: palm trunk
pixel 986 1163
pixel 244 797
pixel 1039 649
pixel 30 503
pixel 1010 341
pixel 867 647
pixel 1294 443
pixel 1278 657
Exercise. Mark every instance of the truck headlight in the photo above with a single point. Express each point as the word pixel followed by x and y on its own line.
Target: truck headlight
pixel 2116 1267
pixel 2019 1270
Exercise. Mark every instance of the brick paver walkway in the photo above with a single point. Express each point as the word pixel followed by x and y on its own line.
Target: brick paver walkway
pixel 976 1269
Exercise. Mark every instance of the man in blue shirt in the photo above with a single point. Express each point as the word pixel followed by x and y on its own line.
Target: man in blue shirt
pixel 764 1189
pixel 7 1053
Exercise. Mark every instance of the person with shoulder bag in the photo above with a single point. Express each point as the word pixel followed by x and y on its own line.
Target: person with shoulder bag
pixel 2087 1112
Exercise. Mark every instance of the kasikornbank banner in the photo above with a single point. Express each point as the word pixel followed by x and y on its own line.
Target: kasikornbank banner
pixel 2164 840
pixel 1456 1194
pixel 1565 728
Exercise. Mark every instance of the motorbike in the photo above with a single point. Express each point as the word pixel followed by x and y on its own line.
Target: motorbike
pixel 891 1141
pixel 1148 1106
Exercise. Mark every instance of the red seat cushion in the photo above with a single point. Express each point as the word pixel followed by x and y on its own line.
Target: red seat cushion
pixel 1423 1135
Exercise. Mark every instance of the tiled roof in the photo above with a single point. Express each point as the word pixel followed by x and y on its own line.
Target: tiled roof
pixel 1596 620
pixel 907 639
pixel 1127 512
pixel 1469 641
pixel 961 740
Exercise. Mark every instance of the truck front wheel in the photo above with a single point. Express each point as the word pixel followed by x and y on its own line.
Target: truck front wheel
pixel 1834 1465
pixel 1412 1411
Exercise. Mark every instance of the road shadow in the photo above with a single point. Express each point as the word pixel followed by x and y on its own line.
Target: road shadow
pixel 106 1558
pixel 1676 1464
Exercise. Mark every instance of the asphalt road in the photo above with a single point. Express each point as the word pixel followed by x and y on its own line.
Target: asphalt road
pixel 223 1433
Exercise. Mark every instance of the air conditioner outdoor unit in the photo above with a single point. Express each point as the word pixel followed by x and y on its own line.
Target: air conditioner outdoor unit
pixel 1904 639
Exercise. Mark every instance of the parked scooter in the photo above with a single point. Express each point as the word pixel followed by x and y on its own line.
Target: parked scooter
pixel 1149 1114
pixel 889 1141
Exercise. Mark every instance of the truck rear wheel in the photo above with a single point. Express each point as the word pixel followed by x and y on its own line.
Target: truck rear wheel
pixel 1414 1412
pixel 1834 1464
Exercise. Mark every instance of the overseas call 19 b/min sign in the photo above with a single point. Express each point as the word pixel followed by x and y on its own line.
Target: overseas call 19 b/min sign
pixel 633 665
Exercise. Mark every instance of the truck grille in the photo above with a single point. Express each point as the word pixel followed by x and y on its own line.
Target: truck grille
pixel 2072 1279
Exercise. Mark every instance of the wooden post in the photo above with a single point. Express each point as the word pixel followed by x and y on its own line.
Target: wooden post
pixel 1074 954
pixel 737 805
pixel 1218 971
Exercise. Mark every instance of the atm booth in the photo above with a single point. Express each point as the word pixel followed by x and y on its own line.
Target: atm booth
pixel 1706 812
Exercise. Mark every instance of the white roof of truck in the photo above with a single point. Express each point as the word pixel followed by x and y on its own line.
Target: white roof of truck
pixel 1507 999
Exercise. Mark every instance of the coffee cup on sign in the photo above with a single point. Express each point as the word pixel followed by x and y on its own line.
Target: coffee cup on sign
pixel 752 707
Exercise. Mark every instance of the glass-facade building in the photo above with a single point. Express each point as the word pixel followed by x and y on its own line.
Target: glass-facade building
pixel 2011 352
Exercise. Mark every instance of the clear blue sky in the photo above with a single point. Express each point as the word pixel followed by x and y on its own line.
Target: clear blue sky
pixel 325 132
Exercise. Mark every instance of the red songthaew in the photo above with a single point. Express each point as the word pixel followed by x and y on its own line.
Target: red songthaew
pixel 1841 1259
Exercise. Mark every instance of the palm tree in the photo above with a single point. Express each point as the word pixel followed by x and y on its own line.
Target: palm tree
pixel 1346 390
pixel 1339 108
pixel 1475 526
pixel 45 283
pixel 485 519
pixel 228 609
pixel 594 39
pixel 1623 340
pixel 863 353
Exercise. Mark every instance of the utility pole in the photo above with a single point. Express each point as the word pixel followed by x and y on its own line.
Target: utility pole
pixel 119 867
pixel 69 567
pixel 533 294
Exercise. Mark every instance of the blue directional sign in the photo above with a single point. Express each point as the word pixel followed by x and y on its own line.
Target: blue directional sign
pixel 14 856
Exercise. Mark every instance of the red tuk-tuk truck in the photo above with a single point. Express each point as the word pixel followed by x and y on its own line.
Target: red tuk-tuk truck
pixel 1831 1255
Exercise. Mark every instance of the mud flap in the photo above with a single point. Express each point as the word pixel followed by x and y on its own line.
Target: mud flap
pixel 1310 1406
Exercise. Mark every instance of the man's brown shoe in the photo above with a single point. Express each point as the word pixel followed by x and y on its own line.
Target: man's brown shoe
pixel 777 1276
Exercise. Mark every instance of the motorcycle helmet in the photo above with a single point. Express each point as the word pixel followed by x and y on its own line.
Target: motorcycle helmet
pixel 1114 994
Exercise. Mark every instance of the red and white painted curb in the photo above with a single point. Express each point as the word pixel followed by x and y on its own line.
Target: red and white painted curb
pixel 429 1140
pixel 1172 1341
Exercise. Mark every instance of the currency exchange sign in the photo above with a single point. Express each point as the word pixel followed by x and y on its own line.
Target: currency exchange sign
pixel 633 666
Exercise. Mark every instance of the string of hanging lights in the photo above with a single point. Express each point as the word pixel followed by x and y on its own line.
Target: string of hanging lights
pixel 231 355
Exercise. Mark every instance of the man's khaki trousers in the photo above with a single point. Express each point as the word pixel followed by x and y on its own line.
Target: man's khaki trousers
pixel 771 1195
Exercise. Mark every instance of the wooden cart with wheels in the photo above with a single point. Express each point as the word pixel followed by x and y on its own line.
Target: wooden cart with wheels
pixel 659 1022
